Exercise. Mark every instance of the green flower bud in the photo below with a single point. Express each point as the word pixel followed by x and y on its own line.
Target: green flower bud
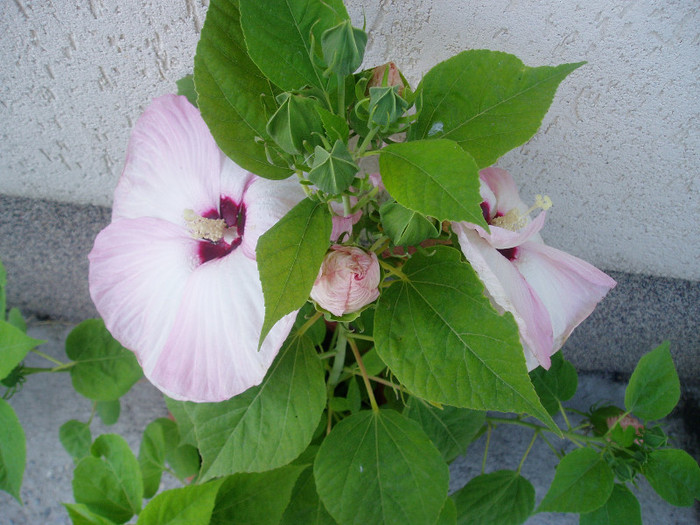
pixel 343 48
pixel 294 123
pixel 385 105
pixel 334 171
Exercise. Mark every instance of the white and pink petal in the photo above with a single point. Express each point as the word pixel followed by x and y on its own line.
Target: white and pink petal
pixel 172 164
pixel 211 353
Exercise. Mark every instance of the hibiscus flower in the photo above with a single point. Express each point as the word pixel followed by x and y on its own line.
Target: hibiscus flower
pixel 174 275
pixel 549 292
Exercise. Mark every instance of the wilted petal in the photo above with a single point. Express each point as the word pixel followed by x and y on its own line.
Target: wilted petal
pixel 343 224
pixel 138 272
pixel 502 238
pixel 212 350
pixel 510 292
pixel 568 287
pixel 172 164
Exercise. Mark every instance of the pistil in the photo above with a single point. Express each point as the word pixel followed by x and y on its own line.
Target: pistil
pixel 202 228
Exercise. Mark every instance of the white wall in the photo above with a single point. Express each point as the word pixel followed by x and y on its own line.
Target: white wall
pixel 617 153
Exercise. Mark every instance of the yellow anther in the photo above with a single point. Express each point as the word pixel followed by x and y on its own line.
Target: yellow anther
pixel 204 229
pixel 514 220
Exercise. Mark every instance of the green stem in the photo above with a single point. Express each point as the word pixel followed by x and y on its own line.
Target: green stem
pixel 45 356
pixel 359 152
pixel 378 380
pixel 365 378
pixel 347 207
pixel 563 413
pixel 308 324
pixel 341 96
pixel 361 337
pixel 486 448
pixel 532 442
pixel 573 436
pixel 393 270
pixel 339 361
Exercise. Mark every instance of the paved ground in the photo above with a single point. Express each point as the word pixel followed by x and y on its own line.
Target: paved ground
pixel 47 402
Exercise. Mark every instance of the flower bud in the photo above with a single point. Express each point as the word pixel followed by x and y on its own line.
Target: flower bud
pixel 343 48
pixel 392 75
pixel 295 122
pixel 347 281
pixel 385 105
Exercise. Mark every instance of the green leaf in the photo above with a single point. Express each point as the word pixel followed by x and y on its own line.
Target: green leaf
pixel 304 505
pixel 336 126
pixel 433 177
pixel 13 451
pixel 3 284
pixel 559 383
pixel 234 97
pixel 333 171
pixel 654 388
pixel 289 255
pixel 185 87
pixel 406 227
pixel 191 505
pixel 76 438
pixel 343 47
pixel 486 101
pixel 317 331
pixel 450 429
pixel 14 347
pixel 457 352
pixel 185 424
pixel 109 411
pixel 184 461
pixel 380 467
pixel 674 475
pixel 104 370
pixel 109 481
pixel 268 425
pixel 288 25
pixel 81 515
pixel 257 498
pixel 448 514
pixel 296 125
pixel 622 507
pixel 582 483
pixel 14 317
pixel 503 497
pixel 159 436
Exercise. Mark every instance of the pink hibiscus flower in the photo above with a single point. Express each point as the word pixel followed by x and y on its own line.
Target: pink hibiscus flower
pixel 174 275
pixel 549 292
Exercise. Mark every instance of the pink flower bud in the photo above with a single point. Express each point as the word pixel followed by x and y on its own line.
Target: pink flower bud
pixel 627 421
pixel 393 76
pixel 347 281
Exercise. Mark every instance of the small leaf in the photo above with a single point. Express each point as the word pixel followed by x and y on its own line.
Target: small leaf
pixel 448 514
pixel 269 425
pixel 654 389
pixel 235 98
pixel 104 369
pixel 289 255
pixel 81 515
pixel 459 352
pixel 14 347
pixel 433 177
pixel 450 429
pixel 334 171
pixel 185 87
pixel 158 437
pixel 559 383
pixel 76 438
pixel 622 507
pixel 380 467
pixel 674 475
pixel 184 460
pixel 582 483
pixel 185 424
pixel 296 125
pixel 503 497
pixel 109 481
pixel 276 25
pixel 109 411
pixel 14 317
pixel 486 101
pixel 13 451
pixel 336 126
pixel 191 505
pixel 257 498
pixel 406 227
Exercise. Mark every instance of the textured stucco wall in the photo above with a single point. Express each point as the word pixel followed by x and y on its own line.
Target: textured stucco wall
pixel 618 152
